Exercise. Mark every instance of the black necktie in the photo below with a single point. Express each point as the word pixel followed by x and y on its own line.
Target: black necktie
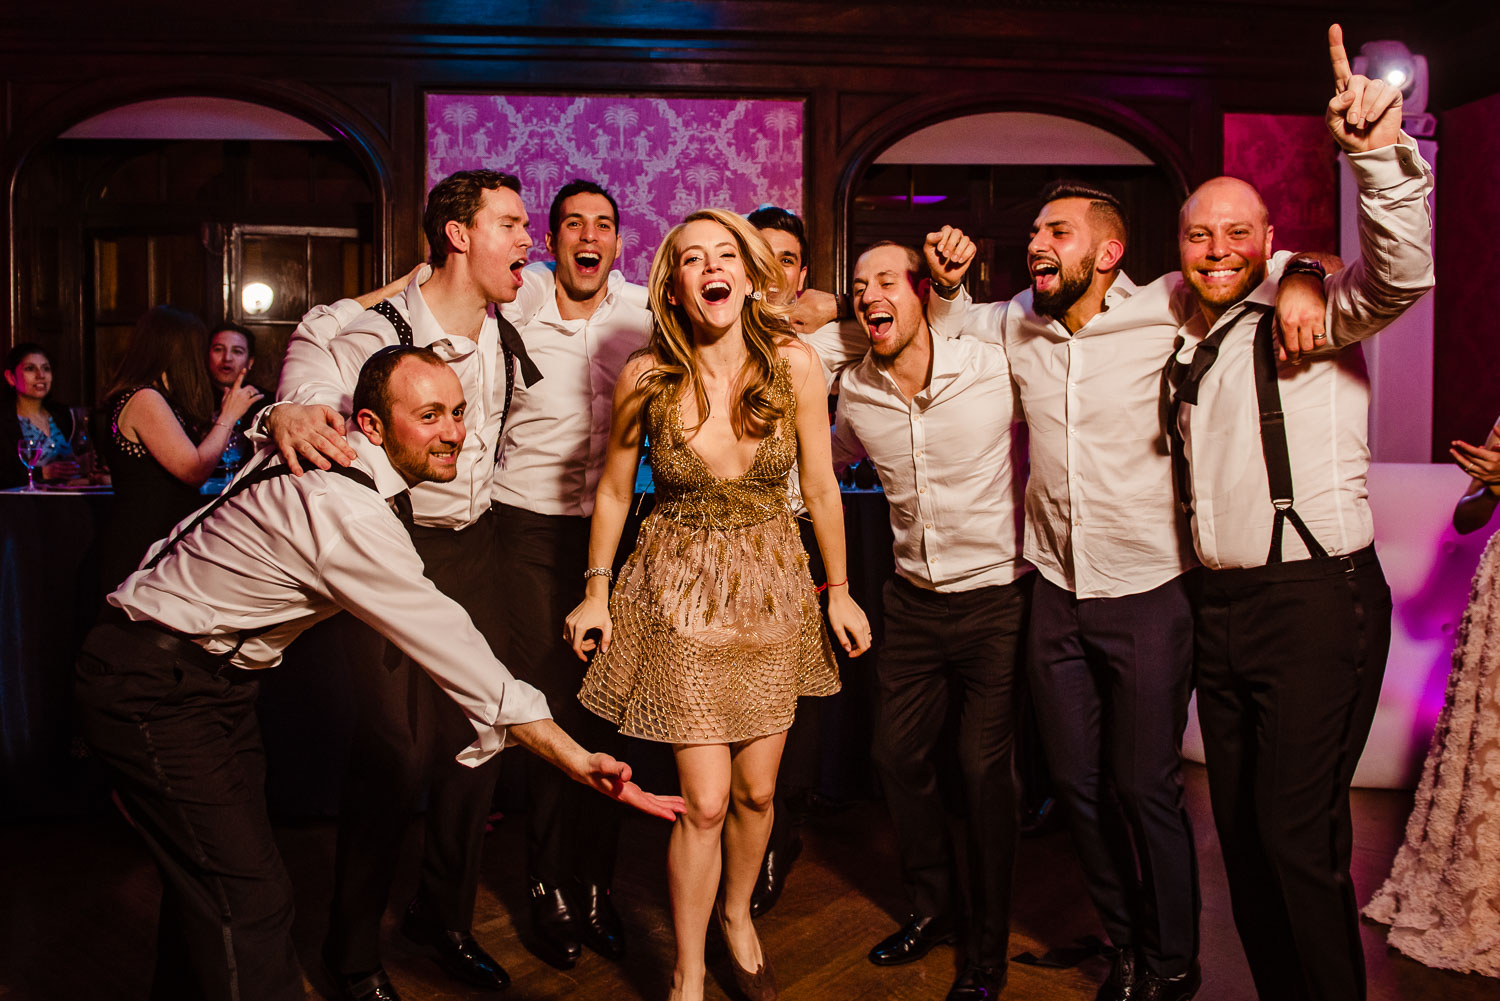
pixel 401 504
pixel 510 339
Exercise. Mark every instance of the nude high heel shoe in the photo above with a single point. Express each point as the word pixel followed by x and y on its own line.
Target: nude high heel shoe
pixel 757 986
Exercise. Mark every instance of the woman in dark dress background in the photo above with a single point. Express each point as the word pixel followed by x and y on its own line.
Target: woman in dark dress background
pixel 25 411
pixel 159 434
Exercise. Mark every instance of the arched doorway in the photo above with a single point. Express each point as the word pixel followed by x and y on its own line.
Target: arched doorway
pixel 186 199
pixel 983 171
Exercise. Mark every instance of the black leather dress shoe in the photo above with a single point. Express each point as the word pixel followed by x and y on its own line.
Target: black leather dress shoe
pixel 1120 984
pixel 978 983
pixel 1150 987
pixel 912 941
pixel 773 870
pixel 457 953
pixel 554 927
pixel 372 986
pixel 598 924
pixel 375 987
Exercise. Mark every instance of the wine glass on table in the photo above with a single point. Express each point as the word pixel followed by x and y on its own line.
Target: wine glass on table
pixel 82 446
pixel 33 454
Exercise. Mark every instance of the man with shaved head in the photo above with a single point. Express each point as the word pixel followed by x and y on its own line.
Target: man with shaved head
pixel 1109 647
pixel 1293 620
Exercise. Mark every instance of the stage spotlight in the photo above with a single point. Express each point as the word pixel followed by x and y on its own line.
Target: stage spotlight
pixel 1394 63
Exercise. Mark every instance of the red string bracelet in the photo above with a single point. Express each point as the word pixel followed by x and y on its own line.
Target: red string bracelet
pixel 825 586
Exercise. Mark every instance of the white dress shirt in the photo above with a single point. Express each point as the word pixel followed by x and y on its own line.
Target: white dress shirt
pixel 948 461
pixel 323 369
pixel 1102 518
pixel 1326 399
pixel 289 552
pixel 552 448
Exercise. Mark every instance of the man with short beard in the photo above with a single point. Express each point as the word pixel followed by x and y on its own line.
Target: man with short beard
pixel 580 323
pixel 936 416
pixel 1294 615
pixel 166 683
pixel 1109 651
pixel 475 223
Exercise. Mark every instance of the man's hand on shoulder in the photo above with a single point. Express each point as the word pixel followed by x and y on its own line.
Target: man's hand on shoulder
pixel 813 309
pixel 394 288
pixel 315 433
pixel 1364 114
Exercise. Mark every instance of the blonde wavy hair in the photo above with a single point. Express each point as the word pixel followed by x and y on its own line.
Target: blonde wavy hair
pixel 762 324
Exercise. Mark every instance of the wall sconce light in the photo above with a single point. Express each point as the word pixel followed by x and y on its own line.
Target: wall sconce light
pixel 257 297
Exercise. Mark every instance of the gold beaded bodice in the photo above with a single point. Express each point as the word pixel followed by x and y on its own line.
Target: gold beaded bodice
pixel 689 493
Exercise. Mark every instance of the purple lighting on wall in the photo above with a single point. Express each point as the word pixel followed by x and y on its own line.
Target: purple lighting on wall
pixel 661 158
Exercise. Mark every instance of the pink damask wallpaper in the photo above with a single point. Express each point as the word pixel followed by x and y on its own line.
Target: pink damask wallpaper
pixel 661 158
pixel 1294 163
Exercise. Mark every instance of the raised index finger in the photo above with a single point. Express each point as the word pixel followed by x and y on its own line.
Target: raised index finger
pixel 1337 56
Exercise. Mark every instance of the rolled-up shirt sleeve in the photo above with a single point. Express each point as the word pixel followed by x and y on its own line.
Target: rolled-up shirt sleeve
pixel 374 572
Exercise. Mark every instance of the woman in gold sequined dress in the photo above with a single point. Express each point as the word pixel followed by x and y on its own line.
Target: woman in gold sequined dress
pixel 714 628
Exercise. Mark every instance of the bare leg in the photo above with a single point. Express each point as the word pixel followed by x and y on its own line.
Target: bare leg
pixel 693 858
pixel 752 787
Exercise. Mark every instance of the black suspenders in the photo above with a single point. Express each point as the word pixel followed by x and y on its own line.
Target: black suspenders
pixel 266 472
pixel 511 348
pixel 1186 379
pixel 1273 444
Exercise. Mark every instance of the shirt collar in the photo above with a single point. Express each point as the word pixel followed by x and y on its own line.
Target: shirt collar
pixel 373 460
pixel 449 348
pixel 1119 290
pixel 548 313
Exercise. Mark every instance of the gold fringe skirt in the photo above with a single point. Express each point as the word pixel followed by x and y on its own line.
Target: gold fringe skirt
pixel 717 632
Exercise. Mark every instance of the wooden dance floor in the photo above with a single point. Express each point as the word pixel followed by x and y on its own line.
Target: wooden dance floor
pixel 76 916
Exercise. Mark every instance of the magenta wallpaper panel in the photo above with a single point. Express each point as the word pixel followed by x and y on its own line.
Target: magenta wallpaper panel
pixel 1294 163
pixel 661 158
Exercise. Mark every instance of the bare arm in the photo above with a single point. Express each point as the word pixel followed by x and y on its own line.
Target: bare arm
pixel 820 492
pixel 148 420
pixel 611 507
pixel 1478 503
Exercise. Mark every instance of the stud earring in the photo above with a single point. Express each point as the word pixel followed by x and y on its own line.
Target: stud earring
pixel 756 295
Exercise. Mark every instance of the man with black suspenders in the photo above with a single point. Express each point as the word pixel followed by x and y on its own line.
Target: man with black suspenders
pixel 166 691
pixel 1292 627
pixel 475 224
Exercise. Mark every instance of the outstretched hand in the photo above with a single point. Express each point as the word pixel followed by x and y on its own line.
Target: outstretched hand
pixel 1364 114
pixel 612 778
pixel 949 253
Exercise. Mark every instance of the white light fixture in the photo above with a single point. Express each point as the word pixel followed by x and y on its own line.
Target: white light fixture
pixel 1393 62
pixel 257 297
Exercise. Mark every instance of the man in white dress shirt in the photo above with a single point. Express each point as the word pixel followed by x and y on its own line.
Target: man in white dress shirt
pixel 1293 623
pixel 475 224
pixel 584 321
pixel 936 416
pixel 1109 651
pixel 167 696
